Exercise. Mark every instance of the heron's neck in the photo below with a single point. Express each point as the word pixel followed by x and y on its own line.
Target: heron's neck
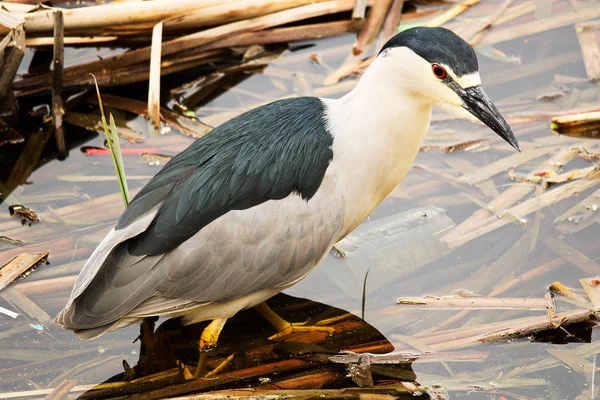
pixel 378 129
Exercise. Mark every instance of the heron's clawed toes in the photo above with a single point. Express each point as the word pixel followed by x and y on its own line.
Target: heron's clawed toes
pixel 290 328
pixel 285 328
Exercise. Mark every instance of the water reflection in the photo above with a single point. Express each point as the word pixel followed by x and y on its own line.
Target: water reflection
pixel 301 361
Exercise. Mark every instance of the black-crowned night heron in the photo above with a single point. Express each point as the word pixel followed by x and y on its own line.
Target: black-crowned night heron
pixel 251 208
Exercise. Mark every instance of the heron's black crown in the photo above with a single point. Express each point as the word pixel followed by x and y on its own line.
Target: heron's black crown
pixel 437 45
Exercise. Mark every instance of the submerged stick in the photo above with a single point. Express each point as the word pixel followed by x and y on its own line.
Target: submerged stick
pixel 57 82
pixel 61 390
pixel 479 32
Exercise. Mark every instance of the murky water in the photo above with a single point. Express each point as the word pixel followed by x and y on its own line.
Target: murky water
pixel 400 246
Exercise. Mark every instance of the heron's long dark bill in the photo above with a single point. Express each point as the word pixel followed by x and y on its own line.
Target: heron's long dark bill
pixel 479 104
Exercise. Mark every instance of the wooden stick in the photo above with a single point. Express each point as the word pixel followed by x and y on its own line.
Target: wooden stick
pixel 19 266
pixel 194 40
pixel 58 109
pixel 359 10
pixel 372 27
pixel 187 126
pixel 69 40
pixel 288 34
pixel 231 12
pixel 10 65
pixel 390 26
pixel 541 324
pixel 117 14
pixel 154 82
pixel 452 12
pixel 475 303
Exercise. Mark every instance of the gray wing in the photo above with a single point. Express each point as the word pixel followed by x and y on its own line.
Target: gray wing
pixel 269 245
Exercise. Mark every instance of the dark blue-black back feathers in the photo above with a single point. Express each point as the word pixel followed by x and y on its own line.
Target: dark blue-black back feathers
pixel 264 154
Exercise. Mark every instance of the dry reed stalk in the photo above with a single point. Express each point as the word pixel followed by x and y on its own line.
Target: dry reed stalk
pixel 63 283
pixel 383 393
pixel 588 34
pixel 509 197
pixel 586 125
pixel 452 12
pixel 154 80
pixel 20 265
pixel 26 305
pixel 187 126
pixel 120 76
pixel 61 390
pixel 539 325
pixel 58 109
pixel 474 303
pixel 527 207
pixel 571 255
pixel 69 40
pixel 372 27
pixel 540 25
pixel 504 164
pixel 581 215
pixel 392 20
pixel 574 361
pixel 460 338
pixel 187 42
pixel 503 288
pixel 289 34
pixel 477 34
pixel 232 12
pixel 359 10
pixel 200 384
pixel 116 14
pixel 310 380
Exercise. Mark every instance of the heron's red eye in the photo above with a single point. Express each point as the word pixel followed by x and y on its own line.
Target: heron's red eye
pixel 438 71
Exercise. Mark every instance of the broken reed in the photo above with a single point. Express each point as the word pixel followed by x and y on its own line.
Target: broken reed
pixel 115 148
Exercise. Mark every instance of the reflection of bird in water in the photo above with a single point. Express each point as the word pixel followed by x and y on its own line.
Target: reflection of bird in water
pixel 252 208
pixel 311 360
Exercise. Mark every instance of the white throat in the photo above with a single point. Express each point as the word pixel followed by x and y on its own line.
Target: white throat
pixel 378 129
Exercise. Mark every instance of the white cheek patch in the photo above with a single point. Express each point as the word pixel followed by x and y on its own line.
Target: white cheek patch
pixel 465 81
pixel 469 80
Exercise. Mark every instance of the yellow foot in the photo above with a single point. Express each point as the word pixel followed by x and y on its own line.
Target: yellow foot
pixel 198 372
pixel 300 327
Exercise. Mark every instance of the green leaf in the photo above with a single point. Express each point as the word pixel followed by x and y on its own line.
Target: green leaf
pixel 112 139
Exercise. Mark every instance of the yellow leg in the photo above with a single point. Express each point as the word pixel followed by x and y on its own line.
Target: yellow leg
pixel 285 328
pixel 208 340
